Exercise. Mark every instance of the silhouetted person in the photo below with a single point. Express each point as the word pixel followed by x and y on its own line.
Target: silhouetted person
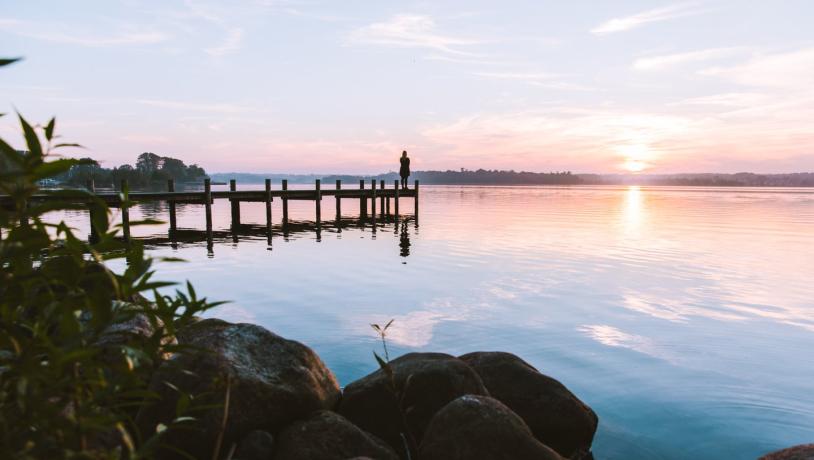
pixel 404 171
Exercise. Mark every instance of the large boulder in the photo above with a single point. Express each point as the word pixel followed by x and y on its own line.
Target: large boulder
pixel 270 382
pixel 257 445
pixel 424 383
pixel 480 428
pixel 555 415
pixel 326 435
pixel 801 452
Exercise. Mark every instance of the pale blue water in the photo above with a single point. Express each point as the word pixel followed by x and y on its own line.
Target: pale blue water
pixel 683 317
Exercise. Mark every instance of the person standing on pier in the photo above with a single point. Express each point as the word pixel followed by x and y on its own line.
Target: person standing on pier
pixel 404 171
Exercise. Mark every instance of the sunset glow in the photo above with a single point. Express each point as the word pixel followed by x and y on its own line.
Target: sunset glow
pixel 324 87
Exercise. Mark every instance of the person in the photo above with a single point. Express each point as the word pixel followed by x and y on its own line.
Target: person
pixel 404 171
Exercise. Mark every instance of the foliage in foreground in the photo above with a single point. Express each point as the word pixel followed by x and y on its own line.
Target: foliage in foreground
pixel 72 375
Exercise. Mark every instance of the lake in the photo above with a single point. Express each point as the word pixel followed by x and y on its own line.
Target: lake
pixel 683 316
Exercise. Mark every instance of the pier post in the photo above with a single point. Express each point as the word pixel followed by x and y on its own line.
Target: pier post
pixel 396 199
pixel 285 203
pixel 381 200
pixel 416 199
pixel 362 200
pixel 208 206
pixel 373 203
pixel 125 208
pixel 268 210
pixel 94 235
pixel 338 201
pixel 173 223
pixel 235 205
pixel 318 193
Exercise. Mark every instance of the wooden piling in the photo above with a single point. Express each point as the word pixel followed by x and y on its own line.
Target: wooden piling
pixel 268 210
pixel 208 206
pixel 318 196
pixel 235 205
pixel 373 203
pixel 338 201
pixel 416 200
pixel 362 200
pixel 285 203
pixel 173 223
pixel 125 208
pixel 396 199
pixel 94 235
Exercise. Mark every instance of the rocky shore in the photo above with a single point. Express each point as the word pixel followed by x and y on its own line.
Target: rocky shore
pixel 263 397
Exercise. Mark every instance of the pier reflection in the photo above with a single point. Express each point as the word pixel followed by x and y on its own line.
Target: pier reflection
pixel 186 237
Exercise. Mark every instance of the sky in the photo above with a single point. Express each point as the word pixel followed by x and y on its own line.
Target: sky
pixel 311 86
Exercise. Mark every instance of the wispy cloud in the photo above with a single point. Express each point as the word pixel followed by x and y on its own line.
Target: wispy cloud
pixel 231 44
pixel 197 107
pixel 543 79
pixel 671 60
pixel 409 31
pixel 789 70
pixel 639 19
pixel 56 33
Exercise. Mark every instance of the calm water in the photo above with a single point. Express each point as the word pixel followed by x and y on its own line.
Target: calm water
pixel 684 317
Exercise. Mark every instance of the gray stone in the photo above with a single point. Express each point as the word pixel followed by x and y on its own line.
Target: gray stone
pixel 555 415
pixel 481 428
pixel 326 435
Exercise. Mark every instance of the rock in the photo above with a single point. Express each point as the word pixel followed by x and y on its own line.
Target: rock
pixel 425 382
pixel 556 416
pixel 326 435
pixel 271 382
pixel 480 428
pixel 257 445
pixel 801 452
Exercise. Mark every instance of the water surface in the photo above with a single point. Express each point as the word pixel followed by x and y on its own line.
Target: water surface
pixel 683 316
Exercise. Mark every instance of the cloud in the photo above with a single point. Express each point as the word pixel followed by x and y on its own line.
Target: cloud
pixel 543 79
pixel 656 15
pixel 197 107
pixel 59 34
pixel 672 60
pixel 230 44
pixel 409 31
pixel 790 70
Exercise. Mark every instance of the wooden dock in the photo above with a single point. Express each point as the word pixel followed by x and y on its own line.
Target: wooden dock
pixel 367 196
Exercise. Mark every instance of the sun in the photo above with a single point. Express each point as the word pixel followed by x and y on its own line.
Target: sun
pixel 634 165
pixel 636 157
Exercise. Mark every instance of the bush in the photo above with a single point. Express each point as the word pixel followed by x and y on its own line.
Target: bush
pixel 78 342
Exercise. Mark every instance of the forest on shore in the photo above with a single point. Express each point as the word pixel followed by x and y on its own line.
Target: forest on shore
pixel 149 169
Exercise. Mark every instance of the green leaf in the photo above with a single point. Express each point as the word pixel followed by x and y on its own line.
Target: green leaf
pixel 31 138
pixel 68 144
pixel 53 168
pixel 7 61
pixel 49 129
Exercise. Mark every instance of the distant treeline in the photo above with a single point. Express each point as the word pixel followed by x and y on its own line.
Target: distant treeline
pixel 705 179
pixel 449 177
pixel 149 169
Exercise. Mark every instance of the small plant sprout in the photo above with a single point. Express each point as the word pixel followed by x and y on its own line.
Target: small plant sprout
pixel 382 331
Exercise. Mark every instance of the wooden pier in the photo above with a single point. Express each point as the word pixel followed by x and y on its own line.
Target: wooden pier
pixel 206 198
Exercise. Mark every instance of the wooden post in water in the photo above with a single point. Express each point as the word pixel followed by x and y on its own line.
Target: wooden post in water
pixel 124 206
pixel 285 203
pixel 208 206
pixel 338 201
pixel 317 185
pixel 94 236
pixel 396 200
pixel 387 201
pixel 381 200
pixel 373 203
pixel 235 205
pixel 171 188
pixel 362 200
pixel 416 200
pixel 268 210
